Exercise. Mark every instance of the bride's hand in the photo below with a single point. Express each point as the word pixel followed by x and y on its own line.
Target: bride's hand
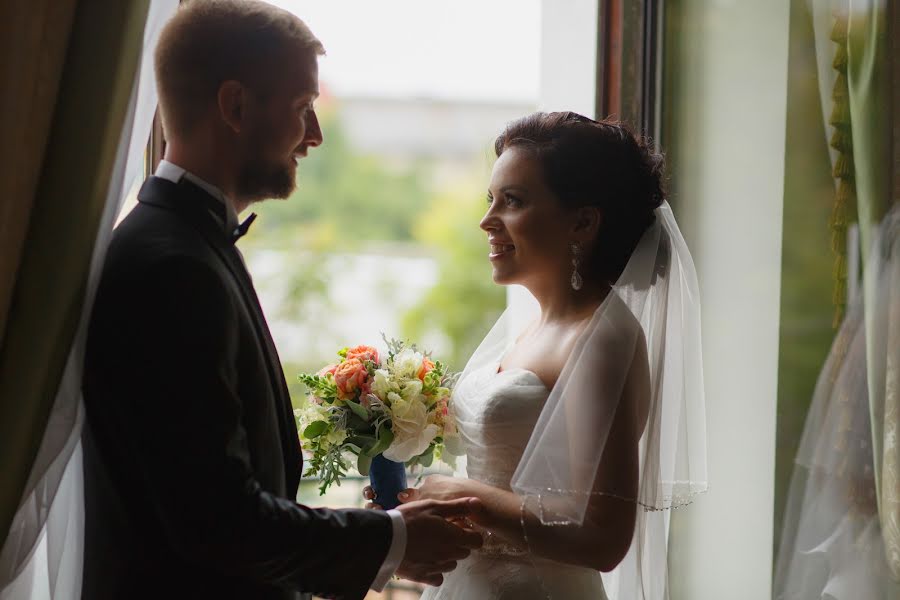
pixel 441 487
pixel 436 487
pixel 444 488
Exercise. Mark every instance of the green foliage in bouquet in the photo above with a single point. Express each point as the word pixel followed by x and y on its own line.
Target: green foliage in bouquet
pixel 362 407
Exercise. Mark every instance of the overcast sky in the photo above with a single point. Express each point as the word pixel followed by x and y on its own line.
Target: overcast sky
pixel 459 49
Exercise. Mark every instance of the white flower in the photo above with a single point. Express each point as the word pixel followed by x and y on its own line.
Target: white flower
pixel 381 383
pixel 412 391
pixel 407 363
pixel 454 445
pixel 412 433
pixel 336 437
pixel 453 442
pixel 310 413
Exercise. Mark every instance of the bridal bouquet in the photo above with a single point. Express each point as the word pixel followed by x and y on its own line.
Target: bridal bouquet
pixel 395 411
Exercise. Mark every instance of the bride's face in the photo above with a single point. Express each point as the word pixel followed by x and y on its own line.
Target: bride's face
pixel 529 230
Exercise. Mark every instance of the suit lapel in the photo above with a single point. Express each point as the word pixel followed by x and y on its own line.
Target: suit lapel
pixel 190 202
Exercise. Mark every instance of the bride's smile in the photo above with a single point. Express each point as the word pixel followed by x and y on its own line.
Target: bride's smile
pixel 499 250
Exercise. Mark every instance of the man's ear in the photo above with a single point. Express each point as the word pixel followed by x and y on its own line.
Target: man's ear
pixel 587 222
pixel 231 98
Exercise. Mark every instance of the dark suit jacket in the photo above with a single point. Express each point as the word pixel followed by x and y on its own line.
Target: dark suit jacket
pixel 192 458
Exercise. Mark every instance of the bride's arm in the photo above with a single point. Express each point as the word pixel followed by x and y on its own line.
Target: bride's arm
pixel 605 535
pixel 599 544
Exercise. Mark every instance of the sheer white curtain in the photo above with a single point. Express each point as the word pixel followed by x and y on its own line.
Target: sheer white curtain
pixel 834 545
pixel 43 553
pixel 841 536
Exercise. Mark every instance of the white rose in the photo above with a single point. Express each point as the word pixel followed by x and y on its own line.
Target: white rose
pixel 407 363
pixel 412 433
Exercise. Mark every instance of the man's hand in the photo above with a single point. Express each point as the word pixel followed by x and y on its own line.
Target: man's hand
pixel 433 543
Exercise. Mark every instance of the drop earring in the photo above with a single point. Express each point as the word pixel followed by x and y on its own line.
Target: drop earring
pixel 576 280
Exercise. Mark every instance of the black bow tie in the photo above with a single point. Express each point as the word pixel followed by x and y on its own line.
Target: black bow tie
pixel 241 230
pixel 217 208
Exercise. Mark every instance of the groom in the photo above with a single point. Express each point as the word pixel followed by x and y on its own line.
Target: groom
pixel 192 459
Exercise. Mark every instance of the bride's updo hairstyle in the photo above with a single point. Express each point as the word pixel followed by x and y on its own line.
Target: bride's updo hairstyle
pixel 595 163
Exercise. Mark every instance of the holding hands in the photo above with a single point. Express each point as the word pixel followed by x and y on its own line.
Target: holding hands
pixel 434 544
pixel 434 487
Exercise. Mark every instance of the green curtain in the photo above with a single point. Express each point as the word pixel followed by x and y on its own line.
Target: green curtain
pixel 47 296
pixel 869 85
pixel 34 35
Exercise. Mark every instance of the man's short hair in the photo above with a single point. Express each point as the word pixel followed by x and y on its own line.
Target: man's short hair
pixel 210 41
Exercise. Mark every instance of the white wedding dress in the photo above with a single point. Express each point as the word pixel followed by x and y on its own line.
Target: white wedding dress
pixel 504 408
pixel 546 445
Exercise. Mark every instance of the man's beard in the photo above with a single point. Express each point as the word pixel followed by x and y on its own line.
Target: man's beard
pixel 260 180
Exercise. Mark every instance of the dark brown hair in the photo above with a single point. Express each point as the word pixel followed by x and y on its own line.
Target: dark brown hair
pixel 595 163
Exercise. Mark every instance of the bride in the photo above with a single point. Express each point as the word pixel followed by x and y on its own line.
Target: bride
pixel 585 424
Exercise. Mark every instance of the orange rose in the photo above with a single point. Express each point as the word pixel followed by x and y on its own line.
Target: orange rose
pixel 363 353
pixel 350 377
pixel 426 368
pixel 329 370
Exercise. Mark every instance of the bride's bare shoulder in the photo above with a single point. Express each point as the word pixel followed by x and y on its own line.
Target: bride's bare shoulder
pixel 614 327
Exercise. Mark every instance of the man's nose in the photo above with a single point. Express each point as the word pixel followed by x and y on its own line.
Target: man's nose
pixel 313 135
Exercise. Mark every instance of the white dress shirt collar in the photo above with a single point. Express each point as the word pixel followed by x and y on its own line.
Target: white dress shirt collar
pixel 174 173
